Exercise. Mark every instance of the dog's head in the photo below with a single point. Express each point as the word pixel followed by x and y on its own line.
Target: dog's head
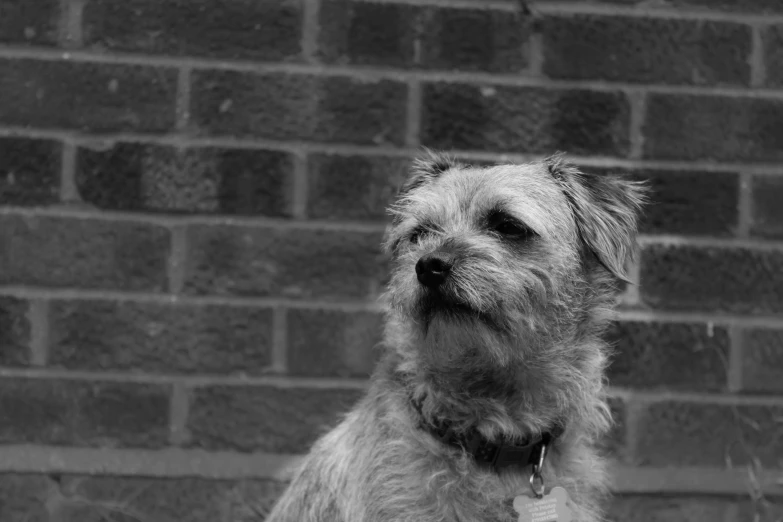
pixel 509 250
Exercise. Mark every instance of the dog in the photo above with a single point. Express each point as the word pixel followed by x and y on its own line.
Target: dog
pixel 489 396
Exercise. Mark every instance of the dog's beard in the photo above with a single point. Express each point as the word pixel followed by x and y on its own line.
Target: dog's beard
pixel 446 304
pixel 493 331
pixel 456 333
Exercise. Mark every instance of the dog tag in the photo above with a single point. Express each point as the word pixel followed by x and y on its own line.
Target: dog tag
pixel 549 508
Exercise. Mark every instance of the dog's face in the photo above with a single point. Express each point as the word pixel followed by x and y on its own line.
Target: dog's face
pixel 505 251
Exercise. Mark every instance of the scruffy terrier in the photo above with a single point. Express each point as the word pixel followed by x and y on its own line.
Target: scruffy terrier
pixel 489 398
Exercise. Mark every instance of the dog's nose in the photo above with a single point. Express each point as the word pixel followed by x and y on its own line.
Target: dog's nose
pixel 433 269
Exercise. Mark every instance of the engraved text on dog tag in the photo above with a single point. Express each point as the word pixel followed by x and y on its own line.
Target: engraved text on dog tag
pixel 549 508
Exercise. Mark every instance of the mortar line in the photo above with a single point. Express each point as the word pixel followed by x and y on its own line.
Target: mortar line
pixel 374 227
pixel 71 20
pixel 176 140
pixel 713 242
pixel 183 99
pixel 413 114
pixel 745 205
pixel 171 463
pixel 654 396
pixel 496 5
pixel 38 318
pixel 69 189
pixel 638 106
pixel 631 295
pixel 348 306
pixel 669 316
pixel 371 74
pixel 179 409
pixel 634 412
pixel 577 7
pixel 310 30
pixel 286 382
pixel 280 339
pixel 176 263
pixel 756 59
pixel 734 371
pixel 174 220
pixel 636 315
pixel 270 380
pixel 299 186
pixel 535 66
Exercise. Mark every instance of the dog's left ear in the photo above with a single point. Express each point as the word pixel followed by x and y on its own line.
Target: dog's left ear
pixel 606 209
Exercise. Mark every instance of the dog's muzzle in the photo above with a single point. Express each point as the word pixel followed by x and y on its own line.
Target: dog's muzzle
pixel 433 269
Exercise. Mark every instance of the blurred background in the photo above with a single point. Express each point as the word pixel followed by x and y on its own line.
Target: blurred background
pixel 193 195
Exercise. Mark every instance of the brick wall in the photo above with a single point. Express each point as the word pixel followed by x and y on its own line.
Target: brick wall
pixel 192 198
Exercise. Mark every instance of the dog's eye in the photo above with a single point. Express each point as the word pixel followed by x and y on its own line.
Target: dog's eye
pixel 416 234
pixel 506 226
pixel 512 228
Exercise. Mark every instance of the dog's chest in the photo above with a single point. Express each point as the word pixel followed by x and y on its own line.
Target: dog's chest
pixel 437 492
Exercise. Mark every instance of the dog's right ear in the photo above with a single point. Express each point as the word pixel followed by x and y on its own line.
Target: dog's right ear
pixel 426 168
pixel 606 209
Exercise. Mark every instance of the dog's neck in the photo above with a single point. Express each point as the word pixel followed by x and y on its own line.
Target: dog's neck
pixel 475 404
pixel 496 454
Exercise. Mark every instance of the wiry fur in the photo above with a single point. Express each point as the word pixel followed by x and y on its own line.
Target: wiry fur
pixel 510 345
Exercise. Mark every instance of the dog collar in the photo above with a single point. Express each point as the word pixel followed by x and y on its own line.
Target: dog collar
pixel 496 455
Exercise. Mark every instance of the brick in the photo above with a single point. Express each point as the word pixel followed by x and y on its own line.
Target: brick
pixel 669 355
pixel 766 210
pixel 98 498
pixel 81 413
pixel 615 442
pixel 328 109
pixel 133 176
pixel 23 497
pixel 84 253
pixel 646 50
pixel 691 203
pixel 765 509
pixel 686 202
pixel 671 508
pixel 160 338
pixel 15 332
pixel 718 128
pixel 270 261
pixel 712 279
pixel 282 420
pixel 87 96
pixel 772 45
pixel 29 171
pixel 323 342
pixel 702 434
pixel 753 6
pixel 762 361
pixel 524 119
pixel 475 40
pixel 240 29
pixel 29 23
pixel 255 500
pixel 737 6
pixel 368 33
pixel 353 187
